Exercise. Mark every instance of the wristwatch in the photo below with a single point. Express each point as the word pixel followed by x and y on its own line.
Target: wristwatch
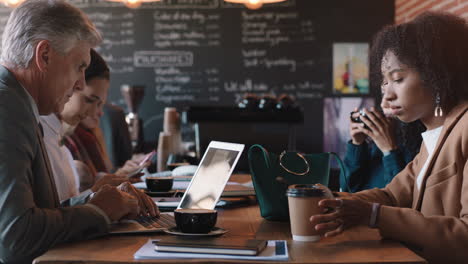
pixel 374 214
pixel 386 153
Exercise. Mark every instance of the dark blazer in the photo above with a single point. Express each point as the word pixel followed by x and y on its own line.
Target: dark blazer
pixel 31 219
pixel 116 135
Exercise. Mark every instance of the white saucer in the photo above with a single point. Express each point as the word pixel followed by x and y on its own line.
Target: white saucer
pixel 216 231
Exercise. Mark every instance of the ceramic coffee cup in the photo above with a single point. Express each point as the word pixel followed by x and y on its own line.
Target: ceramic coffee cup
pixel 303 202
pixel 159 184
pixel 175 160
pixel 195 220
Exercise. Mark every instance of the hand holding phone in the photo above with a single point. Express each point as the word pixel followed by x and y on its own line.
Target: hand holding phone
pixel 142 164
pixel 149 156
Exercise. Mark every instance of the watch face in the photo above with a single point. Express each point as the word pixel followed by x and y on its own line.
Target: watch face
pixel 374 214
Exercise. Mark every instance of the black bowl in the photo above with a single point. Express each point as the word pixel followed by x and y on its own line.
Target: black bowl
pixel 159 184
pixel 195 220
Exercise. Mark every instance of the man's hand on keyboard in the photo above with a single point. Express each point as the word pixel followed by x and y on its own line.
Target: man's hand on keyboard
pixel 115 203
pixel 147 206
pixel 162 221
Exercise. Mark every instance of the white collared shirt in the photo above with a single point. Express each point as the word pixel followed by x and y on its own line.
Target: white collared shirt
pixel 430 141
pixel 61 160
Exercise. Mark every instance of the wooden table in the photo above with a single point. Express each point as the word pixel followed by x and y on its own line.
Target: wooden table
pixel 358 245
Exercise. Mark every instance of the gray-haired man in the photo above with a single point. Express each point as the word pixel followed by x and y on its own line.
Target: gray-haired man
pixel 45 51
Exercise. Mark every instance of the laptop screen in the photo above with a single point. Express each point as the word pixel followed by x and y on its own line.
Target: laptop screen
pixel 211 176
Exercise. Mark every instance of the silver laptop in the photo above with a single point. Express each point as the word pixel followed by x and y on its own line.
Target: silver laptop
pixel 204 190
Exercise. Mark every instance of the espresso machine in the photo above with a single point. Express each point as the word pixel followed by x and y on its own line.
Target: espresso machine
pixel 133 96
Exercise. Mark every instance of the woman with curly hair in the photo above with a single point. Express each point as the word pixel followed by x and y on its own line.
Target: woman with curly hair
pixel 422 67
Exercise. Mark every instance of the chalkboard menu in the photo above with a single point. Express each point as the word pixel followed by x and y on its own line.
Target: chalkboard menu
pixel 209 52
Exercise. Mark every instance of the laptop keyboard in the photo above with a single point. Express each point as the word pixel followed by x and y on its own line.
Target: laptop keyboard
pixel 162 221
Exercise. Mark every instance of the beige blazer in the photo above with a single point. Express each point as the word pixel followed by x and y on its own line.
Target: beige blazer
pixel 433 220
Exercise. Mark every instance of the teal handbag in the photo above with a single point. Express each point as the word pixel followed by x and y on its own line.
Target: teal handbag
pixel 272 174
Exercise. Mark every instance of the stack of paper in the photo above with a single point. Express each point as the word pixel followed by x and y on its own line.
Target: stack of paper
pixel 275 250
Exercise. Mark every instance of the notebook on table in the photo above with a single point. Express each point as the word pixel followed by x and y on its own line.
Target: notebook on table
pixel 230 246
pixel 203 192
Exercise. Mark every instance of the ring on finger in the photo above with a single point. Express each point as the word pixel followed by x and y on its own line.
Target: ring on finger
pixel 339 221
pixel 341 203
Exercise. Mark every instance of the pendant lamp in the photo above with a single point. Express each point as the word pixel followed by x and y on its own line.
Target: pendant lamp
pixel 133 3
pixel 254 4
pixel 12 3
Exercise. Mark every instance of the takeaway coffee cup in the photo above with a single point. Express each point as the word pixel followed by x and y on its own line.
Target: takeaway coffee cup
pixel 195 220
pixel 303 203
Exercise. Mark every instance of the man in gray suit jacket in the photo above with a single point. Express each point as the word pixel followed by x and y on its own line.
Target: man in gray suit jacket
pixel 45 51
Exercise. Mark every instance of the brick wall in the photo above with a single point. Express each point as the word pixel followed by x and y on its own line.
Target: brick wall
pixel 406 10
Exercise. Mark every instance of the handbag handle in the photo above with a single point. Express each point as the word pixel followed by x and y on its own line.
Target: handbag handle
pixel 293 172
pixel 342 168
pixel 266 155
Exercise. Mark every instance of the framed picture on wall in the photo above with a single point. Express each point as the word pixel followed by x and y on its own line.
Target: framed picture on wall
pixel 350 68
pixel 336 121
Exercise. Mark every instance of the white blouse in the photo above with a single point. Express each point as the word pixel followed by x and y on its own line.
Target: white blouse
pixel 430 138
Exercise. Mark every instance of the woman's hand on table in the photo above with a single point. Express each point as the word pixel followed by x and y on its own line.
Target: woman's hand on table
pixel 346 213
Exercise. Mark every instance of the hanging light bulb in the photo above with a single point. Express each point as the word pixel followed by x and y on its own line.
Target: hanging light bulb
pixel 254 4
pixel 133 3
pixel 12 3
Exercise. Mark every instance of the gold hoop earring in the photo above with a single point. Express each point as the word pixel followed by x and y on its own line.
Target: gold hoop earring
pixel 438 112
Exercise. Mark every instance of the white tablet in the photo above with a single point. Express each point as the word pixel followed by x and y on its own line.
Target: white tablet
pixel 211 176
